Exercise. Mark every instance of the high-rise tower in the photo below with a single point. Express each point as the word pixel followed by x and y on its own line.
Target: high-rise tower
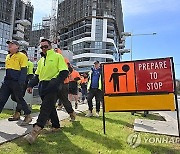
pixel 91 29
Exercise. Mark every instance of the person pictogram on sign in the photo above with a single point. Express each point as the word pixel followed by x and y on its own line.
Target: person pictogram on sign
pixel 115 77
pixel 126 68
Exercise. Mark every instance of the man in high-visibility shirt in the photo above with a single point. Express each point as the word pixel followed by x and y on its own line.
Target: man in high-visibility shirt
pixel 94 89
pixel 74 76
pixel 84 81
pixel 50 74
pixel 14 80
pixel 63 93
pixel 30 66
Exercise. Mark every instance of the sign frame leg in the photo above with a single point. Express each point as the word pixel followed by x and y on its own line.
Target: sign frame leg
pixel 104 118
pixel 178 118
pixel 176 100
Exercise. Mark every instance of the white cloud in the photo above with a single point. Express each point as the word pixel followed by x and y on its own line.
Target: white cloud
pixel 135 7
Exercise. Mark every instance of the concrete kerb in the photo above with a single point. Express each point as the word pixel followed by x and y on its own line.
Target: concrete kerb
pixel 166 116
pixel 167 127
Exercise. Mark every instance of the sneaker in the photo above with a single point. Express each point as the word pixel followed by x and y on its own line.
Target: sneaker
pixel 89 114
pixel 72 116
pixel 97 114
pixel 59 107
pixel 26 120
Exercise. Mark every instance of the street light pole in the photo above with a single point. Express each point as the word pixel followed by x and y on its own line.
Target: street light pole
pixel 131 45
pixel 131 34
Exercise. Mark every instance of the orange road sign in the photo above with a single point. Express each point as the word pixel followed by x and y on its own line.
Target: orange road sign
pixel 119 78
pixel 140 102
pixel 142 85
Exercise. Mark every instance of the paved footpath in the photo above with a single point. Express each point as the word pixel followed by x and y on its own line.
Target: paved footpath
pixel 167 127
pixel 13 130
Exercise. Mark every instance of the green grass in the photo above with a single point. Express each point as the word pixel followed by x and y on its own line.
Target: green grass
pixel 7 113
pixel 85 136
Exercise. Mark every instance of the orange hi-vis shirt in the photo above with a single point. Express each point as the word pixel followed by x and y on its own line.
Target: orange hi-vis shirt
pixel 67 79
pixel 58 51
pixel 74 75
pixel 67 61
pixel 83 80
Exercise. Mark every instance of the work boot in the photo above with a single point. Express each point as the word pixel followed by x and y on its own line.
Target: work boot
pixel 48 123
pixel 15 117
pixel 26 120
pixel 72 116
pixel 54 130
pixel 31 137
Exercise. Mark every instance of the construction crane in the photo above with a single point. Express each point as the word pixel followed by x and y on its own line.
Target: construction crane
pixel 53 21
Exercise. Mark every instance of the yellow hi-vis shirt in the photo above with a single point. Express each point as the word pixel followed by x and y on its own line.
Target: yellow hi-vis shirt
pixel 50 66
pixel 13 64
pixel 30 67
pixel 16 61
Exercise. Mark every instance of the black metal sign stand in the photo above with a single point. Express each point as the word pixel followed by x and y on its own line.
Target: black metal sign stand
pixel 104 118
pixel 176 100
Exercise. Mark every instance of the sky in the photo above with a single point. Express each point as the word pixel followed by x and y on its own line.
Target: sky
pixel 142 17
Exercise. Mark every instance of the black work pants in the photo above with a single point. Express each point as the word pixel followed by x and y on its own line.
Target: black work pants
pixel 48 109
pixel 63 98
pixel 19 106
pixel 84 91
pixel 24 87
pixel 13 87
pixel 94 92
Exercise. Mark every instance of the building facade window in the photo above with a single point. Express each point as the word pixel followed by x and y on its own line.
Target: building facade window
pixel 4 35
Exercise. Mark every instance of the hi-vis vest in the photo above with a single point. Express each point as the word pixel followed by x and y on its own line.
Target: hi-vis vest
pixel 89 82
pixel 30 67
pixel 50 66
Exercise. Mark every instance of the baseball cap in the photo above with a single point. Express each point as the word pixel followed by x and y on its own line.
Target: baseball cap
pixel 96 62
pixel 13 42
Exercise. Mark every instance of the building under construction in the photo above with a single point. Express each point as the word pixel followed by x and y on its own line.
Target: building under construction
pixel 91 29
pixel 38 30
pixel 15 23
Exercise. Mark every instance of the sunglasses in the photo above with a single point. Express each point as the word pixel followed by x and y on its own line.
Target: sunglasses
pixel 44 46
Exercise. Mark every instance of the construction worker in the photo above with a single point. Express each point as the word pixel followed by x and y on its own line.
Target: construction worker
pixel 83 83
pixel 30 66
pixel 63 93
pixel 74 76
pixel 94 89
pixel 50 74
pixel 14 80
